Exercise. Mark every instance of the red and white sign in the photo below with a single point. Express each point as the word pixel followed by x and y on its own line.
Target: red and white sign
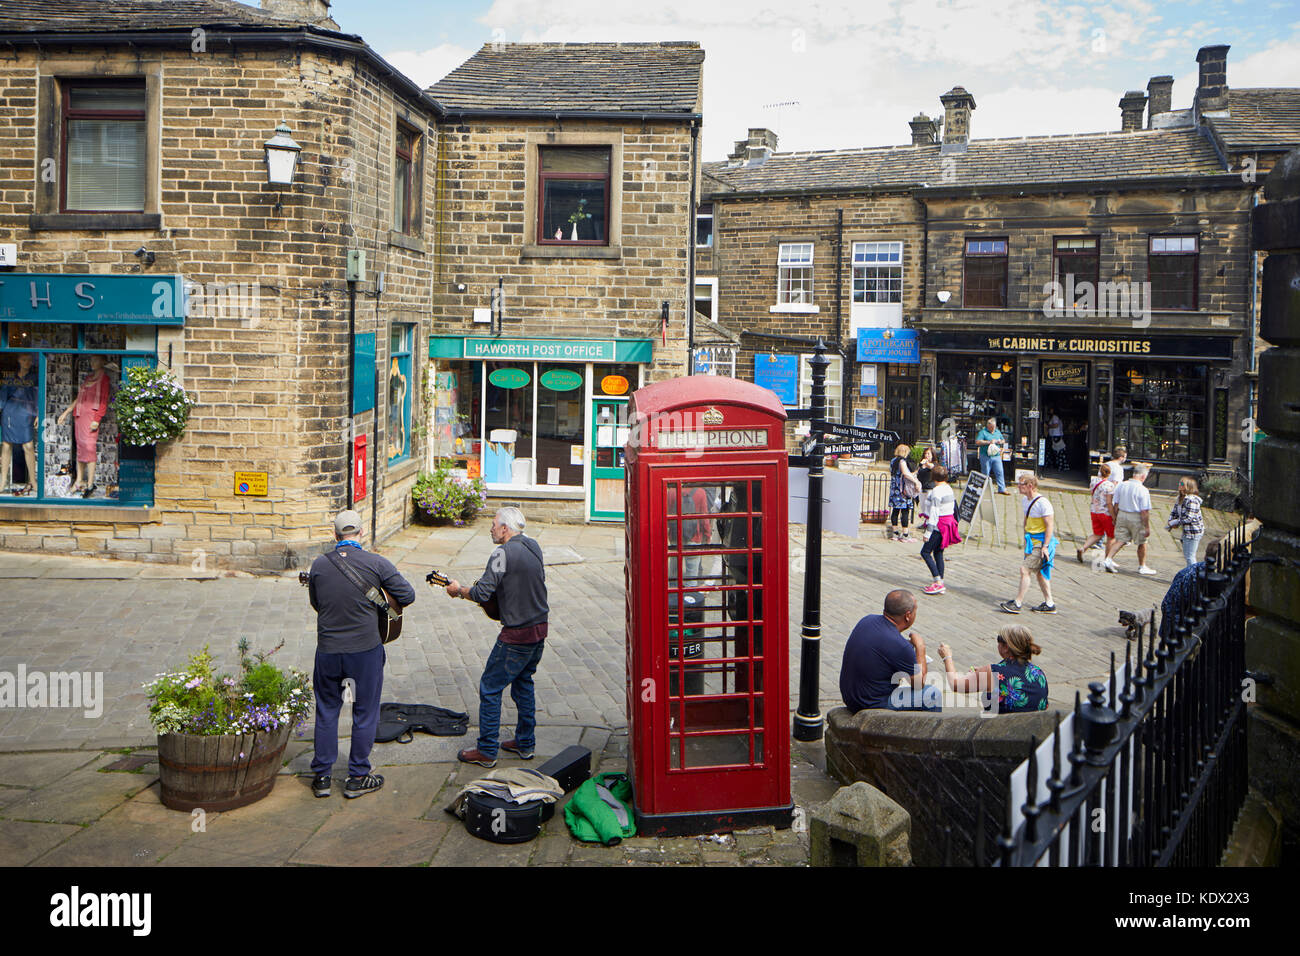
pixel 359 469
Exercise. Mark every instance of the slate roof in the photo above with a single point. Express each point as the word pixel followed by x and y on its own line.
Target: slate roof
pixel 1142 154
pixel 576 77
pixel 1260 118
pixel 108 16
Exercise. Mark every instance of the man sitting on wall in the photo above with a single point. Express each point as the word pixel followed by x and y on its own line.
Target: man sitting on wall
pixel 877 658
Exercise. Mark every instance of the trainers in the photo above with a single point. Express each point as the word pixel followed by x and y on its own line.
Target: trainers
pixel 935 588
pixel 1045 608
pixel 512 747
pixel 474 755
pixel 1078 553
pixel 1110 565
pixel 1011 607
pixel 1145 570
pixel 357 786
pixel 320 786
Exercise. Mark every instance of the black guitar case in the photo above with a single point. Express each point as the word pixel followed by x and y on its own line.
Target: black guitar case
pixel 401 722
pixel 500 821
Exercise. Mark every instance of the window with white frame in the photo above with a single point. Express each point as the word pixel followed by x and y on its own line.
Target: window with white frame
pixel 794 274
pixel 833 380
pixel 706 298
pixel 877 272
pixel 704 225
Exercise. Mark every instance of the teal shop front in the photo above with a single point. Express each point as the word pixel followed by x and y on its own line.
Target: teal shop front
pixel 65 342
pixel 536 419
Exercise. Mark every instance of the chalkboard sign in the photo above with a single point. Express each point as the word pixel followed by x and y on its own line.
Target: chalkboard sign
pixel 970 498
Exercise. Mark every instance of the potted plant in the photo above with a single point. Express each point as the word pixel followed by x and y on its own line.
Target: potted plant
pixel 442 495
pixel 1220 491
pixel 221 738
pixel 150 407
pixel 577 216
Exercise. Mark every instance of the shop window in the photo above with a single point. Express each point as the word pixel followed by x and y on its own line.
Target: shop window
pixel 574 195
pixel 104 154
pixel 1160 410
pixel 1172 267
pixel 400 381
pixel 704 226
pixel 794 274
pixel 1075 259
pixel 971 390
pixel 58 432
pixel 834 373
pixel 877 272
pixel 985 284
pixel 454 431
pixel 620 379
pixel 560 432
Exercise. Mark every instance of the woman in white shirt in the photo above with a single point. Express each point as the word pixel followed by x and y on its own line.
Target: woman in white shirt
pixel 940 527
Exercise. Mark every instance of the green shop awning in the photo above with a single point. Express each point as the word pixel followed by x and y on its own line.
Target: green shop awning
pixel 99 299
pixel 542 350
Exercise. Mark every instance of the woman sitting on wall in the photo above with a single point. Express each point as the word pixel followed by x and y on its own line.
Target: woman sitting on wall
pixel 1021 685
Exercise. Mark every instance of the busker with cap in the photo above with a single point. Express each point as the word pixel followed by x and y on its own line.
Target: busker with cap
pixel 348 646
pixel 516 577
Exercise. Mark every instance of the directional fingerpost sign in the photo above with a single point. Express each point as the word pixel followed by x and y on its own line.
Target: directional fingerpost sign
pixel 850 449
pixel 854 433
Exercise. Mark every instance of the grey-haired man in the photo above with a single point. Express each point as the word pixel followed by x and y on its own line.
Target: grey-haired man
pixel 516 577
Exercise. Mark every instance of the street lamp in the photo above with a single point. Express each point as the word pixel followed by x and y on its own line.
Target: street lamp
pixel 281 157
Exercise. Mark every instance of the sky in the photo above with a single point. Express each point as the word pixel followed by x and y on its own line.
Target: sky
pixel 840 74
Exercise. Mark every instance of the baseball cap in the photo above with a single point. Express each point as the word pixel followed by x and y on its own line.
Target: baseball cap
pixel 347 521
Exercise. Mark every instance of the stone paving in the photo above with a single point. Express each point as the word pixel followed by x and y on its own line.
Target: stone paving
pixel 59 804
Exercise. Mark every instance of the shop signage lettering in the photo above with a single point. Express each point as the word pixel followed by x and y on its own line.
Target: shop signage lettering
pixel 900 346
pixel 1197 346
pixel 509 378
pixel 561 380
pixel 555 350
pixel 614 385
pixel 714 438
pixel 150 300
pixel 1122 346
pixel 1065 373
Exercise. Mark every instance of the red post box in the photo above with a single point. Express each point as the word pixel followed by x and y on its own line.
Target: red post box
pixel 707 574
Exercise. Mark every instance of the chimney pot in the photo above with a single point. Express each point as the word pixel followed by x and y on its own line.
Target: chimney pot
pixel 1212 90
pixel 957 107
pixel 1131 105
pixel 303 11
pixel 1160 90
pixel 925 131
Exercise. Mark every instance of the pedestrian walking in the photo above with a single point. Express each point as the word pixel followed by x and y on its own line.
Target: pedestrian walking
pixel 348 647
pixel 1186 514
pixel 940 527
pixel 903 491
pixel 516 577
pixel 1040 547
pixel 1118 457
pixel 1103 526
pixel 991 443
pixel 1131 509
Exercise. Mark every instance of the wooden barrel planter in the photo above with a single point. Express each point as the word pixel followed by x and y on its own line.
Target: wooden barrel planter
pixel 219 772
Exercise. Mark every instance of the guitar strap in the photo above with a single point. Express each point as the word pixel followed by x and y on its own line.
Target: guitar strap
pixel 373 594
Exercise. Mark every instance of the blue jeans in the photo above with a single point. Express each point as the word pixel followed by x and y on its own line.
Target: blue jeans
pixel 1189 549
pixel 366 669
pixel 509 665
pixel 992 465
pixel 909 698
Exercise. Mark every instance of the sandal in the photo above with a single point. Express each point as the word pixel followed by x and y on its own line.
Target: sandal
pixel 25 490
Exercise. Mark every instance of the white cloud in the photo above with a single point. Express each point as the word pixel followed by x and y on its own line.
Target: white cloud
pixel 426 67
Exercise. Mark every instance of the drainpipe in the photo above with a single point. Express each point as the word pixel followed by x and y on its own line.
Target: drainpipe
pixel 690 258
pixel 352 366
pixel 1251 382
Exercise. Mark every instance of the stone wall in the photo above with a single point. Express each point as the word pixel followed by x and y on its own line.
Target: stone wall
pixel 937 767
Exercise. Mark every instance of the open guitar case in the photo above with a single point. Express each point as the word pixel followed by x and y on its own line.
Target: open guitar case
pixel 501 821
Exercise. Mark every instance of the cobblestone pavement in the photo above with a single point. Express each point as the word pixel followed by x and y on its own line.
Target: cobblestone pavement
pixel 130 621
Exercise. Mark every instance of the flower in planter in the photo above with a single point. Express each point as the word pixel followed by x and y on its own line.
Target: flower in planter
pixel 444 495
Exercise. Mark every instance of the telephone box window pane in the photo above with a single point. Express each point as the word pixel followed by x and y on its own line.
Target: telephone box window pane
pixel 719 750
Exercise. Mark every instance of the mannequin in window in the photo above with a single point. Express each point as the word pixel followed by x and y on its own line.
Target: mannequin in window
pixel 18 422
pixel 88 410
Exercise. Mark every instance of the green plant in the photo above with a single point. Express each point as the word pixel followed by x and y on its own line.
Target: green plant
pixel 1220 484
pixel 916 453
pixel 198 700
pixel 441 494
pixel 151 407
pixel 580 213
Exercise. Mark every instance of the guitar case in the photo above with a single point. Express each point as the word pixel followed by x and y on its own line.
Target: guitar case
pixel 569 768
pixel 400 722
pixel 500 821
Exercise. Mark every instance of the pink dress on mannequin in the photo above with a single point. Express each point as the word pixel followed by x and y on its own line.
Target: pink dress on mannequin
pixel 90 408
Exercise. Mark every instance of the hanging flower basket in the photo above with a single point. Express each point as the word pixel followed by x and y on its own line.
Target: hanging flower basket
pixel 150 407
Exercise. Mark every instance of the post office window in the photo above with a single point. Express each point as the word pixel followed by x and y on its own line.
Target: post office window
pixel 104 153
pixel 573 195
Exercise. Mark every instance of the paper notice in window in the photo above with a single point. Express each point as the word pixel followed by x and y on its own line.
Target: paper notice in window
pixel 575 454
pixel 552 476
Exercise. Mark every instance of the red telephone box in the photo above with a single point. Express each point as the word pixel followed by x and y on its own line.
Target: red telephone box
pixel 707 572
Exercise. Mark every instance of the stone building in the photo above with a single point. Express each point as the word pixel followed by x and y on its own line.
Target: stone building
pixel 1107 278
pixel 140 225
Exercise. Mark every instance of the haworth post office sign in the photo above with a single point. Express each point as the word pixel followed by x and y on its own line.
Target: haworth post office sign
pixel 115 299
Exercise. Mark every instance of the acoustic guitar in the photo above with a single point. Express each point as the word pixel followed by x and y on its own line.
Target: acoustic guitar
pixel 490 606
pixel 389 616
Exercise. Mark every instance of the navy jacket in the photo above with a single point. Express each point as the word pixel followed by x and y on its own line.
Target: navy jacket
pixel 346 623
pixel 515 574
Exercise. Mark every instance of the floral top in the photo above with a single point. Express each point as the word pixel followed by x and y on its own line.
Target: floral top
pixel 1187 512
pixel 1021 687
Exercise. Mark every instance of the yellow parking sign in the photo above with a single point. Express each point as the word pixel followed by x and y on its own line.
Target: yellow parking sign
pixel 250 483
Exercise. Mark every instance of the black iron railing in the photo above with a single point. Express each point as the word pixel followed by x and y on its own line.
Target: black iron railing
pixel 1159 779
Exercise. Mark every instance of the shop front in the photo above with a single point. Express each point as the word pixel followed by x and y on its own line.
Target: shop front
pixel 888 383
pixel 541 419
pixel 65 343
pixel 1064 399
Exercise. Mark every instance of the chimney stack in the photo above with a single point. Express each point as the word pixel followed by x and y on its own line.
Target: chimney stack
pixel 1160 90
pixel 303 11
pixel 1212 90
pixel 957 107
pixel 760 145
pixel 1131 105
pixel 925 131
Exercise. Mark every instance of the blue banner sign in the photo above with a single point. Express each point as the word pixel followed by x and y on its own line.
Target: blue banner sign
pixel 900 347
pixel 114 299
pixel 780 373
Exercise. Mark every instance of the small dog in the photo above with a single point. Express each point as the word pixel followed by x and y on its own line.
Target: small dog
pixel 1134 622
